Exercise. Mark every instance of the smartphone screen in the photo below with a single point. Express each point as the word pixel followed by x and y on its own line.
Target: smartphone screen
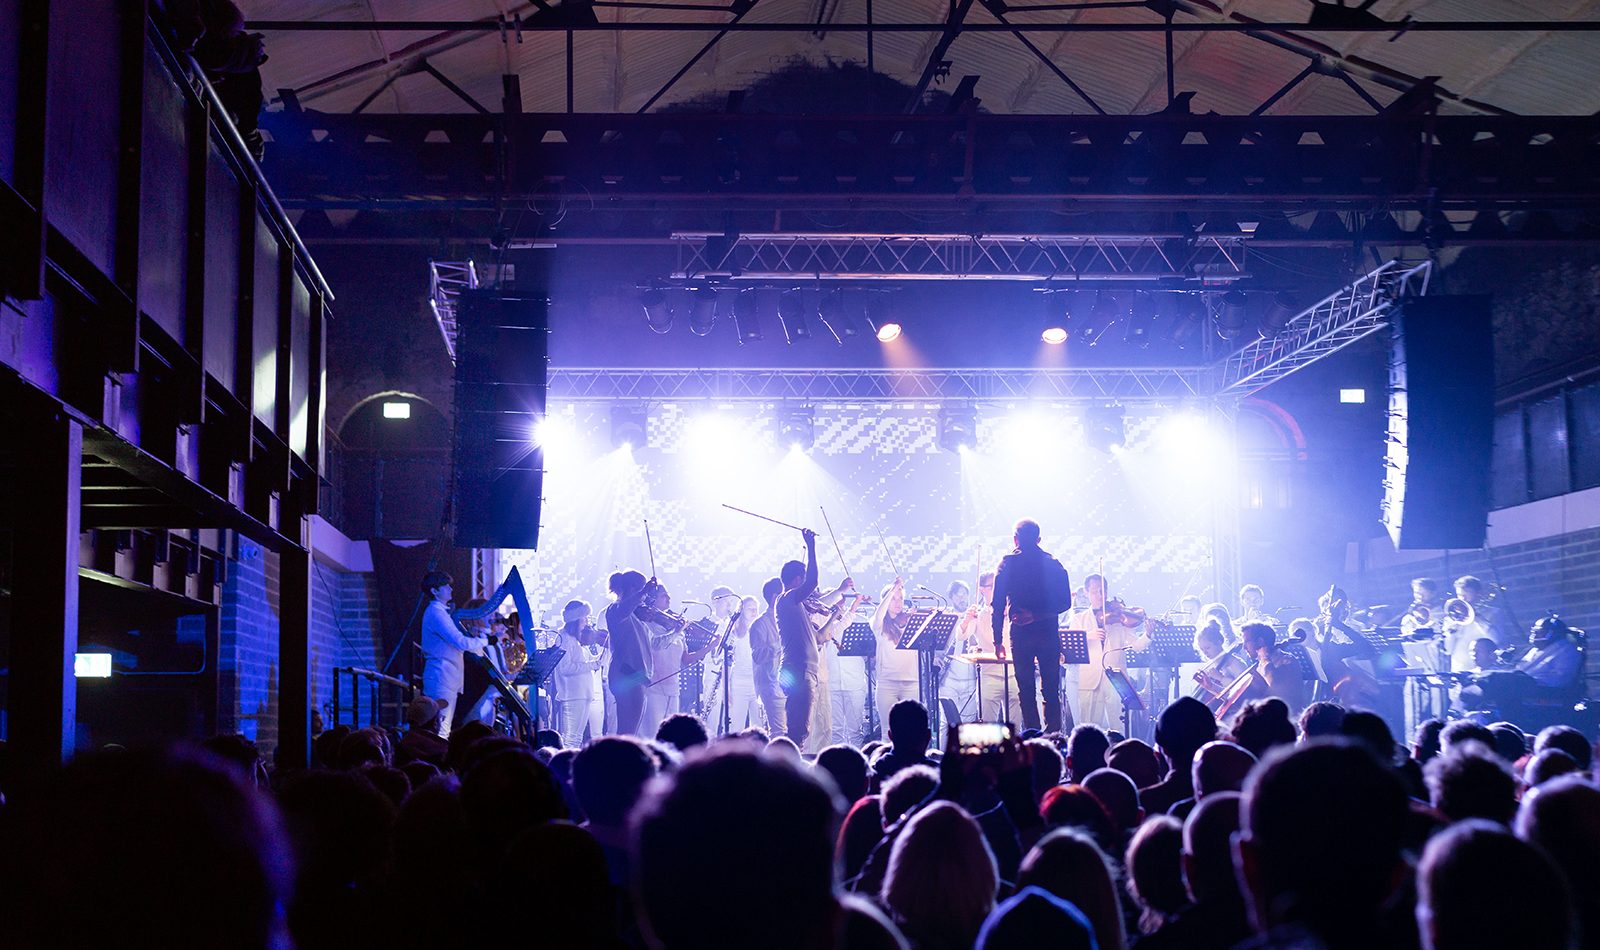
pixel 982 736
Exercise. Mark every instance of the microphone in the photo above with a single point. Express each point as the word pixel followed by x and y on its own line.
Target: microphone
pixel 935 593
pixel 695 602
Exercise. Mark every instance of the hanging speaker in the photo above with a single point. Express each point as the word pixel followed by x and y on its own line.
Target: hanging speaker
pixel 1441 423
pixel 502 357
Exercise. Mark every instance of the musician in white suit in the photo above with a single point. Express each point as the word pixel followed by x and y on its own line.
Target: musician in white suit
pixel 579 694
pixel 443 644
pixel 1108 644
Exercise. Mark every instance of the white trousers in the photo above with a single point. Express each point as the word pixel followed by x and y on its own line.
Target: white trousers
pixel 891 692
pixel 743 707
pixel 442 679
pixel 578 714
pixel 849 705
pixel 660 701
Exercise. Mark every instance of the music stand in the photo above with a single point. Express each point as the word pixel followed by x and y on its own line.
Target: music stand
pixel 929 634
pixel 1074 647
pixel 1129 695
pixel 541 663
pixel 1308 670
pixel 858 640
pixel 1171 646
pixel 934 633
pixel 1134 659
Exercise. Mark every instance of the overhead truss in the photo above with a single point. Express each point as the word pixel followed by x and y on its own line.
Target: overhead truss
pixel 1125 385
pixel 903 257
pixel 1355 311
pixel 446 281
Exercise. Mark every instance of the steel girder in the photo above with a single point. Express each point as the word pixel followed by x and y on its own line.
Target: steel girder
pixel 1355 311
pixel 446 281
pixel 903 257
pixel 1126 385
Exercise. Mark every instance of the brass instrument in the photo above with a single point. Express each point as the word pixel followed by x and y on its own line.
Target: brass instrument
pixel 1420 616
pixel 1458 612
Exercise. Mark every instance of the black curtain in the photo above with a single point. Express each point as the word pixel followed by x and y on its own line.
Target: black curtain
pixel 399 571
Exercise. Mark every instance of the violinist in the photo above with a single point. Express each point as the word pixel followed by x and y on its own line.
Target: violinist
pixel 798 673
pixel 896 668
pixel 631 662
pixel 1113 630
pixel 669 655
pixel 579 699
pixel 958 681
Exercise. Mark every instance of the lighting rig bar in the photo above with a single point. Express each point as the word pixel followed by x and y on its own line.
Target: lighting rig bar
pixel 868 257
pixel 1357 310
pixel 1127 385
pixel 446 281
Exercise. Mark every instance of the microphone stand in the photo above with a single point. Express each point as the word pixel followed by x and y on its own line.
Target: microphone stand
pixel 727 676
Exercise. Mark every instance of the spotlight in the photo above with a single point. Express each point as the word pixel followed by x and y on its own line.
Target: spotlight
pixel 1188 316
pixel 628 426
pixel 397 410
pixel 1285 307
pixel 792 314
pixel 1103 428
pixel 885 323
pixel 747 315
pixel 658 312
pixel 552 434
pixel 1233 315
pixel 1141 320
pixel 1054 328
pixel 835 319
pixel 1102 317
pixel 958 428
pixel 797 428
pixel 702 311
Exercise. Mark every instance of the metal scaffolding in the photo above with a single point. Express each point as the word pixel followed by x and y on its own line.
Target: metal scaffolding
pixel 446 281
pixel 1212 260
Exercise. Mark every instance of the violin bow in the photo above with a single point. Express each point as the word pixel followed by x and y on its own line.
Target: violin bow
pixel 650 547
pixel 888 554
pixel 836 549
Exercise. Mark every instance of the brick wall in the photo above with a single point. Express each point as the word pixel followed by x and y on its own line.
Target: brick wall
pixel 344 632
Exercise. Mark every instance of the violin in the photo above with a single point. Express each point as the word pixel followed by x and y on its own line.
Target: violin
pixel 1117 613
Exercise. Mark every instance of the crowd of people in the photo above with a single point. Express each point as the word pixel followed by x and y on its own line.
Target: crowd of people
pixel 1320 830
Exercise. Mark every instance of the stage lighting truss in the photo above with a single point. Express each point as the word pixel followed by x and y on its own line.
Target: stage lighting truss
pixel 446 281
pixel 859 257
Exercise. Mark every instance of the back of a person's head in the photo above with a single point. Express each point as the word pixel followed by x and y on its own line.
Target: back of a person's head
pixel 907 789
pixel 1568 740
pixel 1322 831
pixel 566 867
pixel 1320 719
pixel 1462 731
pixel 1470 781
pixel 859 834
pixel 1155 870
pixel 341 827
pixel 848 769
pixel 506 793
pixel 1425 742
pixel 1262 725
pixel 1135 759
pixel 1073 806
pixel 772 589
pixel 732 844
pixel 1067 863
pixel 1479 886
pixel 143 848
pixel 908 726
pixel 1369 729
pixel 784 747
pixel 682 731
pixel 942 877
pixel 1510 742
pixel 1034 918
pixel 461 742
pixel 608 777
pixel 1117 793
pixel 1221 766
pixel 392 782
pixel 1027 533
pixel 1208 848
pixel 1547 765
pixel 325 747
pixel 1562 816
pixel 1046 768
pixel 1086 750
pixel 1183 727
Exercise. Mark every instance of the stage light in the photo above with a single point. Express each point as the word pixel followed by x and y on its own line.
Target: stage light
pixel 958 428
pixel 1103 428
pixel 1353 396
pixel 1185 433
pixel 835 318
pixel 1103 315
pixel 628 426
pixel 797 429
pixel 747 315
pixel 91 665
pixel 1233 315
pixel 552 434
pixel 792 315
pixel 885 323
pixel 658 310
pixel 1054 326
pixel 1188 316
pixel 702 311
pixel 1285 306
pixel 710 435
pixel 1141 319
pixel 397 410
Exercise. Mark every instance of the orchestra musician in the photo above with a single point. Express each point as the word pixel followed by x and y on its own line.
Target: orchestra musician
pixel 1334 647
pixel 1276 672
pixel 847 677
pixel 1459 637
pixel 1223 662
pixel 798 673
pixel 995 686
pixel 443 644
pixel 766 652
pixel 896 668
pixel 1113 630
pixel 1032 590
pixel 579 695
pixel 632 664
pixel 1252 605
pixel 1188 610
pixel 670 656
pixel 958 681
pixel 739 679
pixel 1549 672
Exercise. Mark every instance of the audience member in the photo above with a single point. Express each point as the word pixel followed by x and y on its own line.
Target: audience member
pixel 1034 918
pixel 1067 863
pixel 608 777
pixel 392 782
pixel 1263 724
pixel 1320 846
pixel 1181 729
pixel 909 788
pixel 1562 816
pixel 1547 765
pixel 1047 767
pixel 1510 742
pixel 1464 730
pixel 1425 744
pixel 1219 766
pixel 1469 781
pixel 784 747
pixel 1135 759
pixel 941 880
pixel 1073 806
pixel 909 736
pixel 503 795
pixel 340 828
pixel 1087 746
pixel 1369 729
pixel 421 742
pixel 682 732
pixel 860 833
pixel 848 769
pixel 1320 719
pixel 1568 740
pixel 1155 871
pixel 566 868
pixel 1478 886
pixel 1120 798
pixel 1216 919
